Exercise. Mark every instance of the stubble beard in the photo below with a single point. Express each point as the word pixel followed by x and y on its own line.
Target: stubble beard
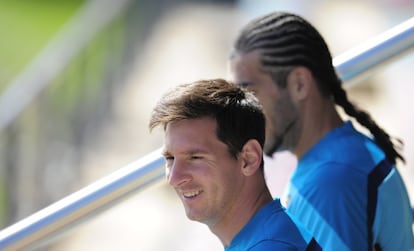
pixel 273 148
pixel 279 144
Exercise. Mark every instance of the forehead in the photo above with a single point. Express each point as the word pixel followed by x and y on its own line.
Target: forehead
pixel 245 65
pixel 200 132
pixel 251 58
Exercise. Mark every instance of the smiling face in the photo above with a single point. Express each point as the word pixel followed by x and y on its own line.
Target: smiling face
pixel 281 114
pixel 201 170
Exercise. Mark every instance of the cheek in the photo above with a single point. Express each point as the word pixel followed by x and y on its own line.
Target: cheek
pixel 285 109
pixel 268 103
pixel 271 122
pixel 167 172
pixel 275 114
pixel 267 95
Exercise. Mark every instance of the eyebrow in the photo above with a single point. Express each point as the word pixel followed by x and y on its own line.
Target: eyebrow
pixel 165 153
pixel 190 152
pixel 245 83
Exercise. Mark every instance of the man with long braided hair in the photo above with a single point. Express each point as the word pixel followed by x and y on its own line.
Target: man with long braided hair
pixel 346 188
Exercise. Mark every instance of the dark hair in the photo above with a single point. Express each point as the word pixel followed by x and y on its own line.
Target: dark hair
pixel 285 41
pixel 238 113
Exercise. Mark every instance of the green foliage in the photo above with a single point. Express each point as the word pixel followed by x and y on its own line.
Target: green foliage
pixel 85 76
pixel 26 26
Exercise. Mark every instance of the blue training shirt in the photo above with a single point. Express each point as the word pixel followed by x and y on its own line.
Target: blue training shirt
pixel 271 228
pixel 349 196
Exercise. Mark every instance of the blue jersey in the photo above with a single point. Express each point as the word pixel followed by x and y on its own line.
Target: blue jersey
pixel 349 196
pixel 271 228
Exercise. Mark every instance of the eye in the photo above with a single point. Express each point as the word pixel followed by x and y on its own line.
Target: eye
pixel 169 160
pixel 245 84
pixel 195 157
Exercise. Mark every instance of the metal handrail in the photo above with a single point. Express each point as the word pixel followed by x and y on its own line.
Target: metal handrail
pixel 46 223
pixel 358 61
pixel 84 203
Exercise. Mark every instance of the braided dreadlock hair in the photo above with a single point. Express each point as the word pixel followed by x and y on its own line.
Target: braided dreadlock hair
pixel 285 41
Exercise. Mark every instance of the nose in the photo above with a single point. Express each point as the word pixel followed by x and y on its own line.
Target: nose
pixel 178 173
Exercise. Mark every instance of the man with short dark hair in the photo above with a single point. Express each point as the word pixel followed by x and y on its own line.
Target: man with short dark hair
pixel 214 134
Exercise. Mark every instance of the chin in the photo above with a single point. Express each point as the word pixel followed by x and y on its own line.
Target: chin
pixel 269 150
pixel 191 215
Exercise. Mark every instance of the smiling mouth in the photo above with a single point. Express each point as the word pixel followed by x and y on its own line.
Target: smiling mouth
pixel 192 194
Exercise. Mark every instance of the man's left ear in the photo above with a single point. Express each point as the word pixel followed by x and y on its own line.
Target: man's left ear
pixel 252 157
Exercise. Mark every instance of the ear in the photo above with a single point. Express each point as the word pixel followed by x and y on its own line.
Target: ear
pixel 252 155
pixel 300 80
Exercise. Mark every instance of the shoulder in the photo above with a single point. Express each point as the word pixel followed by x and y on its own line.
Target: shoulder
pixel 347 145
pixel 272 229
pixel 327 182
pixel 282 230
pixel 270 245
pixel 329 172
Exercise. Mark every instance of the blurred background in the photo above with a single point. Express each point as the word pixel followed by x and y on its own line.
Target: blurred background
pixel 79 78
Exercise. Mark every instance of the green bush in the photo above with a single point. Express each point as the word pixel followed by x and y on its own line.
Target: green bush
pixel 26 26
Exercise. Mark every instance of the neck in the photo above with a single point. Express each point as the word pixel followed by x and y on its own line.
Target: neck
pixel 317 122
pixel 228 228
